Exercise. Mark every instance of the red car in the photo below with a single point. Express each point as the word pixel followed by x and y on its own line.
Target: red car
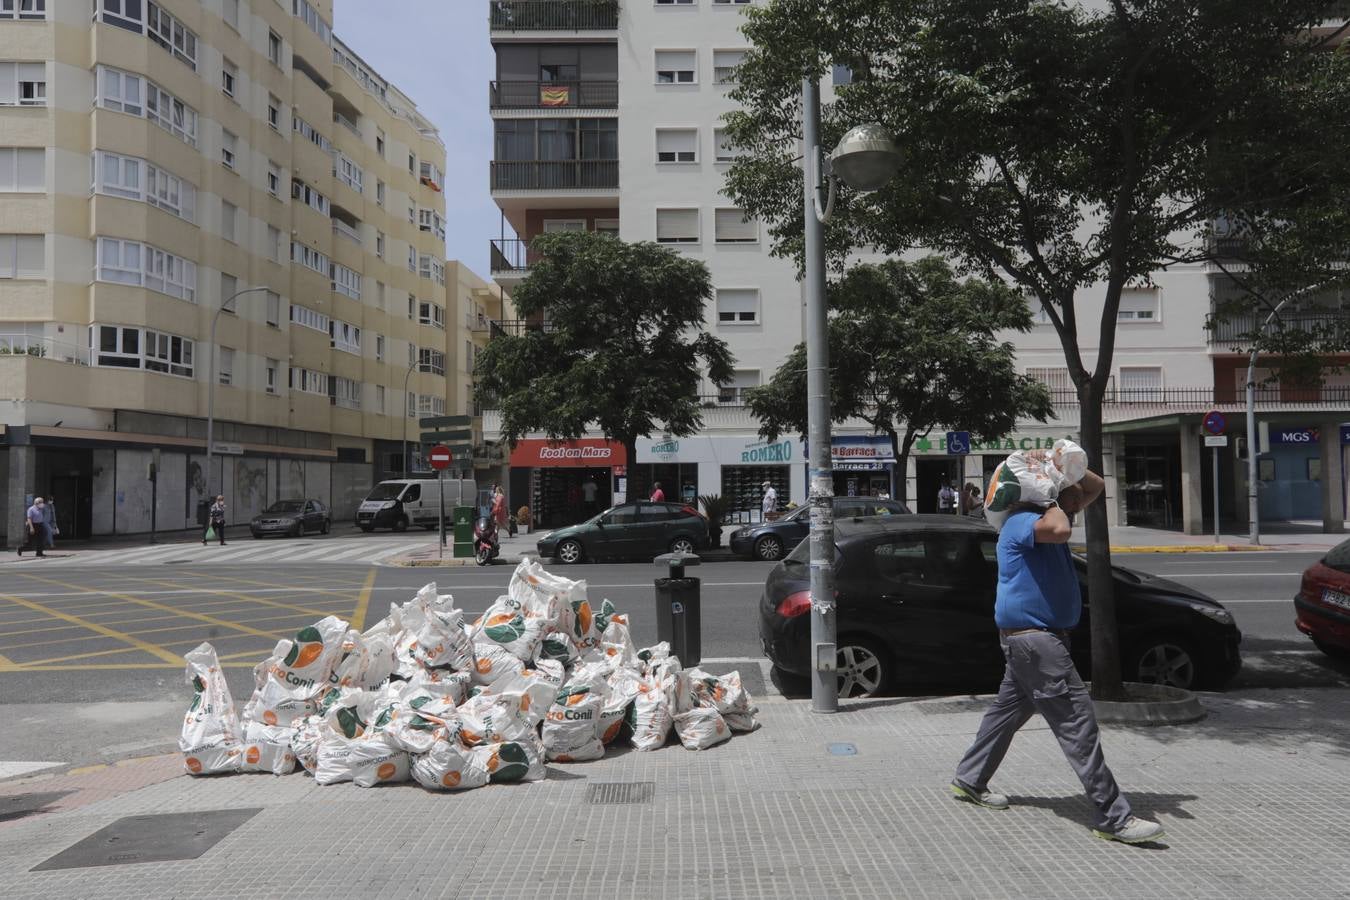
pixel 1322 607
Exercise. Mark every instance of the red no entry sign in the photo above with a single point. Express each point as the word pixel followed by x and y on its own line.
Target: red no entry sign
pixel 440 457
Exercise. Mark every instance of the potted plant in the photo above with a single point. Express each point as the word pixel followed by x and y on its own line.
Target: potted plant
pixel 523 518
pixel 715 508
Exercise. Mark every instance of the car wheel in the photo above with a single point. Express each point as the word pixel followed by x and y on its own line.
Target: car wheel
pixel 401 524
pixel 569 552
pixel 1166 660
pixel 864 667
pixel 325 527
pixel 366 528
pixel 769 548
pixel 1332 650
pixel 682 545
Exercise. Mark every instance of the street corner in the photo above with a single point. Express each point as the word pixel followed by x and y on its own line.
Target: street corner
pixel 24 797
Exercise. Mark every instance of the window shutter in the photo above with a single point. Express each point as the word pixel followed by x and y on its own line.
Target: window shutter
pixel 732 227
pixel 677 225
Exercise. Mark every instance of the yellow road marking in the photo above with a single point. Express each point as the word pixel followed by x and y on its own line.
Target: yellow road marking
pixel 95 637
pixel 150 604
pixel 229 656
pixel 6 661
pixel 247 598
pixel 40 662
pixel 363 602
pixel 101 667
pixel 157 652
pixel 85 770
pixel 345 595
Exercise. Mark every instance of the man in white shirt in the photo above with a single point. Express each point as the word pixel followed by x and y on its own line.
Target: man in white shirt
pixel 770 502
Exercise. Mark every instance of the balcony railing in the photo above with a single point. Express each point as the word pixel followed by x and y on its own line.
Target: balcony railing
pixel 555 175
pixel 1210 396
pixel 347 231
pixel 477 322
pixel 511 256
pixel 1231 331
pixel 553 15
pixel 346 123
pixel 553 94
pixel 42 348
pixel 517 327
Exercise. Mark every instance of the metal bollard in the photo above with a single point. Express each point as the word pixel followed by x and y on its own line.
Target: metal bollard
pixel 678 608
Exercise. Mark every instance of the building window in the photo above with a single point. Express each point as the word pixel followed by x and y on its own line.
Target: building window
pixel 379 142
pixel 430 220
pixel 229 74
pixel 116 346
pixel 128 93
pixel 379 192
pixel 676 145
pixel 308 318
pixel 274 243
pixel 310 197
pixel 131 262
pixel 344 392
pixel 23 170
pixel 270 375
pixel 737 306
pixel 225 366
pixel 274 179
pixel 674 2
pixel 274 47
pixel 122 13
pixel 730 2
pixel 1056 380
pixel 137 179
pixel 412 258
pixel 348 172
pixel 168 353
pixel 677 226
pixel 430 267
pixel 229 285
pixel 412 310
pixel 841 75
pixel 379 400
pixel 379 244
pixel 344 336
pixel 311 259
pixel 432 361
pixel 126 347
pixel 23 256
pixel 274 112
pixel 23 84
pixel 412 164
pixel 676 66
pixel 379 294
pixel 228 215
pixel 1140 305
pixel 23 9
pixel 733 391
pixel 379 348
pixel 228 144
pixel 730 226
pixel 430 175
pixel 230 13
pixel 724 65
pixel 431 314
pixel 310 16
pixel 346 281
pixel 151 20
pixel 724 151
pixel 309 133
pixel 1141 384
pixel 273 311
pixel 308 381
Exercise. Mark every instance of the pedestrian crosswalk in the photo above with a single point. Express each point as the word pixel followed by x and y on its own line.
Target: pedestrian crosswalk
pixel 365 550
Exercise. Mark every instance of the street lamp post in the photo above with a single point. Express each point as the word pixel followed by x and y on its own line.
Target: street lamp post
pixel 1253 498
pixel 407 463
pixel 864 159
pixel 211 382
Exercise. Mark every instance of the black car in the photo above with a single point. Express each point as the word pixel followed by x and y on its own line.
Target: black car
pixel 638 529
pixel 772 540
pixel 915 606
pixel 292 517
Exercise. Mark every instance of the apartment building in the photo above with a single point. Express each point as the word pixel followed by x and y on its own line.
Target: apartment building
pixel 607 118
pixel 178 169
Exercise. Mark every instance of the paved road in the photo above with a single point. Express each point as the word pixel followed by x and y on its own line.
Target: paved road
pixel 90 657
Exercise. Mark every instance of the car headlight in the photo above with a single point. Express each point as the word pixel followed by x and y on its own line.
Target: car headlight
pixel 388 504
pixel 546 535
pixel 1217 613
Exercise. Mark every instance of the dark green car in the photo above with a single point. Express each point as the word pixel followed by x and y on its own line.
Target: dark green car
pixel 638 529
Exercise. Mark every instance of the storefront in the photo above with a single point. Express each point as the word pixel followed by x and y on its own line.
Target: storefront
pixel 735 467
pixel 864 465
pixel 929 463
pixel 567 482
pixel 1290 472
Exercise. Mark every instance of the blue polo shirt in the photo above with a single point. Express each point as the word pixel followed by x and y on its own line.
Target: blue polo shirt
pixel 1037 583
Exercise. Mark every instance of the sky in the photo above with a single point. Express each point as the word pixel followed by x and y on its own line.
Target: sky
pixel 437 52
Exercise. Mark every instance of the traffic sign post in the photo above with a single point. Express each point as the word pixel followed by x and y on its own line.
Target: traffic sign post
pixel 958 443
pixel 1214 422
pixel 440 459
pixel 1214 425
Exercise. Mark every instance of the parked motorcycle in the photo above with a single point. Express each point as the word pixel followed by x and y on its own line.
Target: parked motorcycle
pixel 486 546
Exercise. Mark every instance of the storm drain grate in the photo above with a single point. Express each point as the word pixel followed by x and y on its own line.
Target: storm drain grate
pixel 137 839
pixel 620 792
pixel 18 806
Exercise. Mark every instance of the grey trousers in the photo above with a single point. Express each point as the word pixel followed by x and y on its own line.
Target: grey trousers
pixel 1040 678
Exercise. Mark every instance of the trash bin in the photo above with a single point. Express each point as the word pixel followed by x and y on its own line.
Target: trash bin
pixel 678 608
pixel 463 532
pixel 203 509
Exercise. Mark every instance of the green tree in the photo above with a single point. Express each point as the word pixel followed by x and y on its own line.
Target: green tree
pixel 1073 151
pixel 913 347
pixel 619 346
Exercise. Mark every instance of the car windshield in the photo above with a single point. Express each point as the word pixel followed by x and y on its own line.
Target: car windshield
pixel 286 506
pixel 796 514
pixel 388 490
pixel 1338 558
pixel 801 555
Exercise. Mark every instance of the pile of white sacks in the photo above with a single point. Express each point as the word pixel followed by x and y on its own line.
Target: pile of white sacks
pixel 425 695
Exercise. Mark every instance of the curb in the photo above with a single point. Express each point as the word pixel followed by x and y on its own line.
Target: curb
pixel 1181 548
pixel 1154 704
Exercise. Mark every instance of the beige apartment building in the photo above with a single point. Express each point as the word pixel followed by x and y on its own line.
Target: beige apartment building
pixel 161 157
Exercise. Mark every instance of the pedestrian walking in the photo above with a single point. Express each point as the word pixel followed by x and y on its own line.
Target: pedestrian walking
pixel 215 519
pixel 499 514
pixel 657 494
pixel 946 498
pixel 49 519
pixel 1037 604
pixel 35 529
pixel 589 490
pixel 769 504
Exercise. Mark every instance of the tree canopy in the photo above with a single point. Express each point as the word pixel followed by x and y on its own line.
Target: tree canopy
pixel 616 343
pixel 1069 149
pixel 912 348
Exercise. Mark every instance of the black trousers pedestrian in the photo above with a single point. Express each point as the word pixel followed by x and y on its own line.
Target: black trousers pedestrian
pixel 218 526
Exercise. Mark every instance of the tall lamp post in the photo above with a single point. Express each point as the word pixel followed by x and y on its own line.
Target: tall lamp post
pixel 407 463
pixel 1253 498
pixel 864 159
pixel 211 382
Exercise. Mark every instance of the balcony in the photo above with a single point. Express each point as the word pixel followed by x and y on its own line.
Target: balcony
pixel 510 257
pixel 1204 398
pixel 553 95
pixel 43 348
pixel 517 327
pixel 555 175
pixel 347 231
pixel 1233 332
pixel 553 15
pixel 478 323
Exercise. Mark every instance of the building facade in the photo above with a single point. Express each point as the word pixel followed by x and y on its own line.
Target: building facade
pixel 607 118
pixel 160 159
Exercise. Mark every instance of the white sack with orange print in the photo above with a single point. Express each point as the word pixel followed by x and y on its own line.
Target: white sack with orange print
pixel 449 766
pixel 572 729
pixel 1030 476
pixel 210 737
pixel 701 728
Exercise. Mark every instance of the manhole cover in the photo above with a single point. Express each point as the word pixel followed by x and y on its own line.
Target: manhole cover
pixel 17 806
pixel 137 839
pixel 842 749
pixel 621 792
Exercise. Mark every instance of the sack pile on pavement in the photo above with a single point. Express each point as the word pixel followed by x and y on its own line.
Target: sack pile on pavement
pixel 1022 478
pixel 426 695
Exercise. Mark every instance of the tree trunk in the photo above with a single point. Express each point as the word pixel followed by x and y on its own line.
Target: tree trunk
pixel 1106 681
pixel 901 466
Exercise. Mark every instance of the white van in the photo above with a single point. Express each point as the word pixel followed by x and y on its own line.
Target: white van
pixel 413 501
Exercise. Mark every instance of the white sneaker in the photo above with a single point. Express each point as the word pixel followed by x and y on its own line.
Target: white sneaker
pixel 986 798
pixel 1134 831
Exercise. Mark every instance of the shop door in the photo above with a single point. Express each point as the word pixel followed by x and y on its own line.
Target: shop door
pixel 928 481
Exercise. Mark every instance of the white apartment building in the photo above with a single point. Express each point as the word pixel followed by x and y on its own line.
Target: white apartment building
pixel 607 118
